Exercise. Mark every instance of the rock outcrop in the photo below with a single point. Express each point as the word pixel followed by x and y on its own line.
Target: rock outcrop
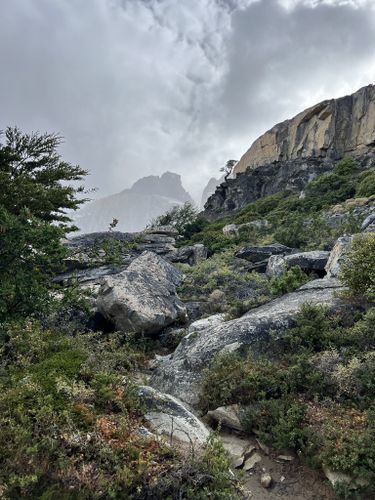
pixel 330 129
pixel 143 298
pixel 314 261
pixel 295 151
pixel 181 374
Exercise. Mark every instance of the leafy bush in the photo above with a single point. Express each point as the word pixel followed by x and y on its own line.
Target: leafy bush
pixel 278 422
pixel 223 271
pixel 366 186
pixel 184 218
pixel 35 194
pixel 289 281
pixel 358 272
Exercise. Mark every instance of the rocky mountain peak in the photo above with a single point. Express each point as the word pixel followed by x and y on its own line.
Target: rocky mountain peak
pixel 168 184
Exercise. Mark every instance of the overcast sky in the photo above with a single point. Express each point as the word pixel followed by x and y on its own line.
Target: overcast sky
pixel 138 87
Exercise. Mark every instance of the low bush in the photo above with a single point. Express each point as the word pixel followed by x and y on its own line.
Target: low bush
pixel 358 272
pixel 69 418
pixel 289 281
pixel 366 186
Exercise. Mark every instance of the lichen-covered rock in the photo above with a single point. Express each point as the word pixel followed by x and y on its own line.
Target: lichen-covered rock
pixel 142 298
pixel 181 375
pixel 338 256
pixel 192 254
pixel 231 230
pixel 167 416
pixel 307 261
pixel 369 221
pixel 228 416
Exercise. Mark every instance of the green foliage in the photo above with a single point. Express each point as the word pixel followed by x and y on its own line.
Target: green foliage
pixel 35 194
pixel 278 422
pixel 184 219
pixel 299 222
pixel 313 325
pixel 34 178
pixel 366 186
pixel 332 187
pixel 69 418
pixel 314 391
pixel 223 271
pixel 30 253
pixel 289 281
pixel 358 272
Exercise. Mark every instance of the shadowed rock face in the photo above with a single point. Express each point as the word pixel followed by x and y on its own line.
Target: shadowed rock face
pixel 181 374
pixel 330 129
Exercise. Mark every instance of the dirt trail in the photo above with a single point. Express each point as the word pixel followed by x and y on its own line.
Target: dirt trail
pixel 290 479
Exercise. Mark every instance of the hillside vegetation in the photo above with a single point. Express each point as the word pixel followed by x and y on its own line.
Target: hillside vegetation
pixel 73 425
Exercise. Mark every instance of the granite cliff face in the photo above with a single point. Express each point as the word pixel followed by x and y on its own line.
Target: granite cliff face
pixel 295 151
pixel 330 129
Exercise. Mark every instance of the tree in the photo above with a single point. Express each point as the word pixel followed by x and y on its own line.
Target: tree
pixel 228 168
pixel 35 195
pixel 183 218
pixel 34 177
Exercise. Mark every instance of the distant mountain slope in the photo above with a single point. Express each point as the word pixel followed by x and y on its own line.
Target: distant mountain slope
pixel 135 207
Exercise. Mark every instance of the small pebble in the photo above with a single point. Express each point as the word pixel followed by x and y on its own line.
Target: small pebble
pixel 266 480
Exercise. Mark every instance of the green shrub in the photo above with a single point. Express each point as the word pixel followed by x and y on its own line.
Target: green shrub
pixel 184 219
pixel 278 422
pixel 223 271
pixel 358 272
pixel 289 281
pixel 366 186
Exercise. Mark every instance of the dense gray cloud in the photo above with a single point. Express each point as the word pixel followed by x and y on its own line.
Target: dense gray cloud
pixel 143 86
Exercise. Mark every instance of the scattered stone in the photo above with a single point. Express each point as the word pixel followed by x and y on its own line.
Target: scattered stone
pixel 285 458
pixel 227 416
pixel 266 480
pixel 282 479
pixel 168 417
pixel 143 298
pixel 252 461
pixel 231 230
pixel 248 451
pixel 238 462
pixel 204 323
pixel 166 230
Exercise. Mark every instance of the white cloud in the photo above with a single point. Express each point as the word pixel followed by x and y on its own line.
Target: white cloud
pixel 143 86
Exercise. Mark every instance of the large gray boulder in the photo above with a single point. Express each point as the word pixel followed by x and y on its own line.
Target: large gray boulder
pixel 168 417
pixel 192 254
pixel 181 375
pixel 260 253
pixel 307 261
pixel 143 298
